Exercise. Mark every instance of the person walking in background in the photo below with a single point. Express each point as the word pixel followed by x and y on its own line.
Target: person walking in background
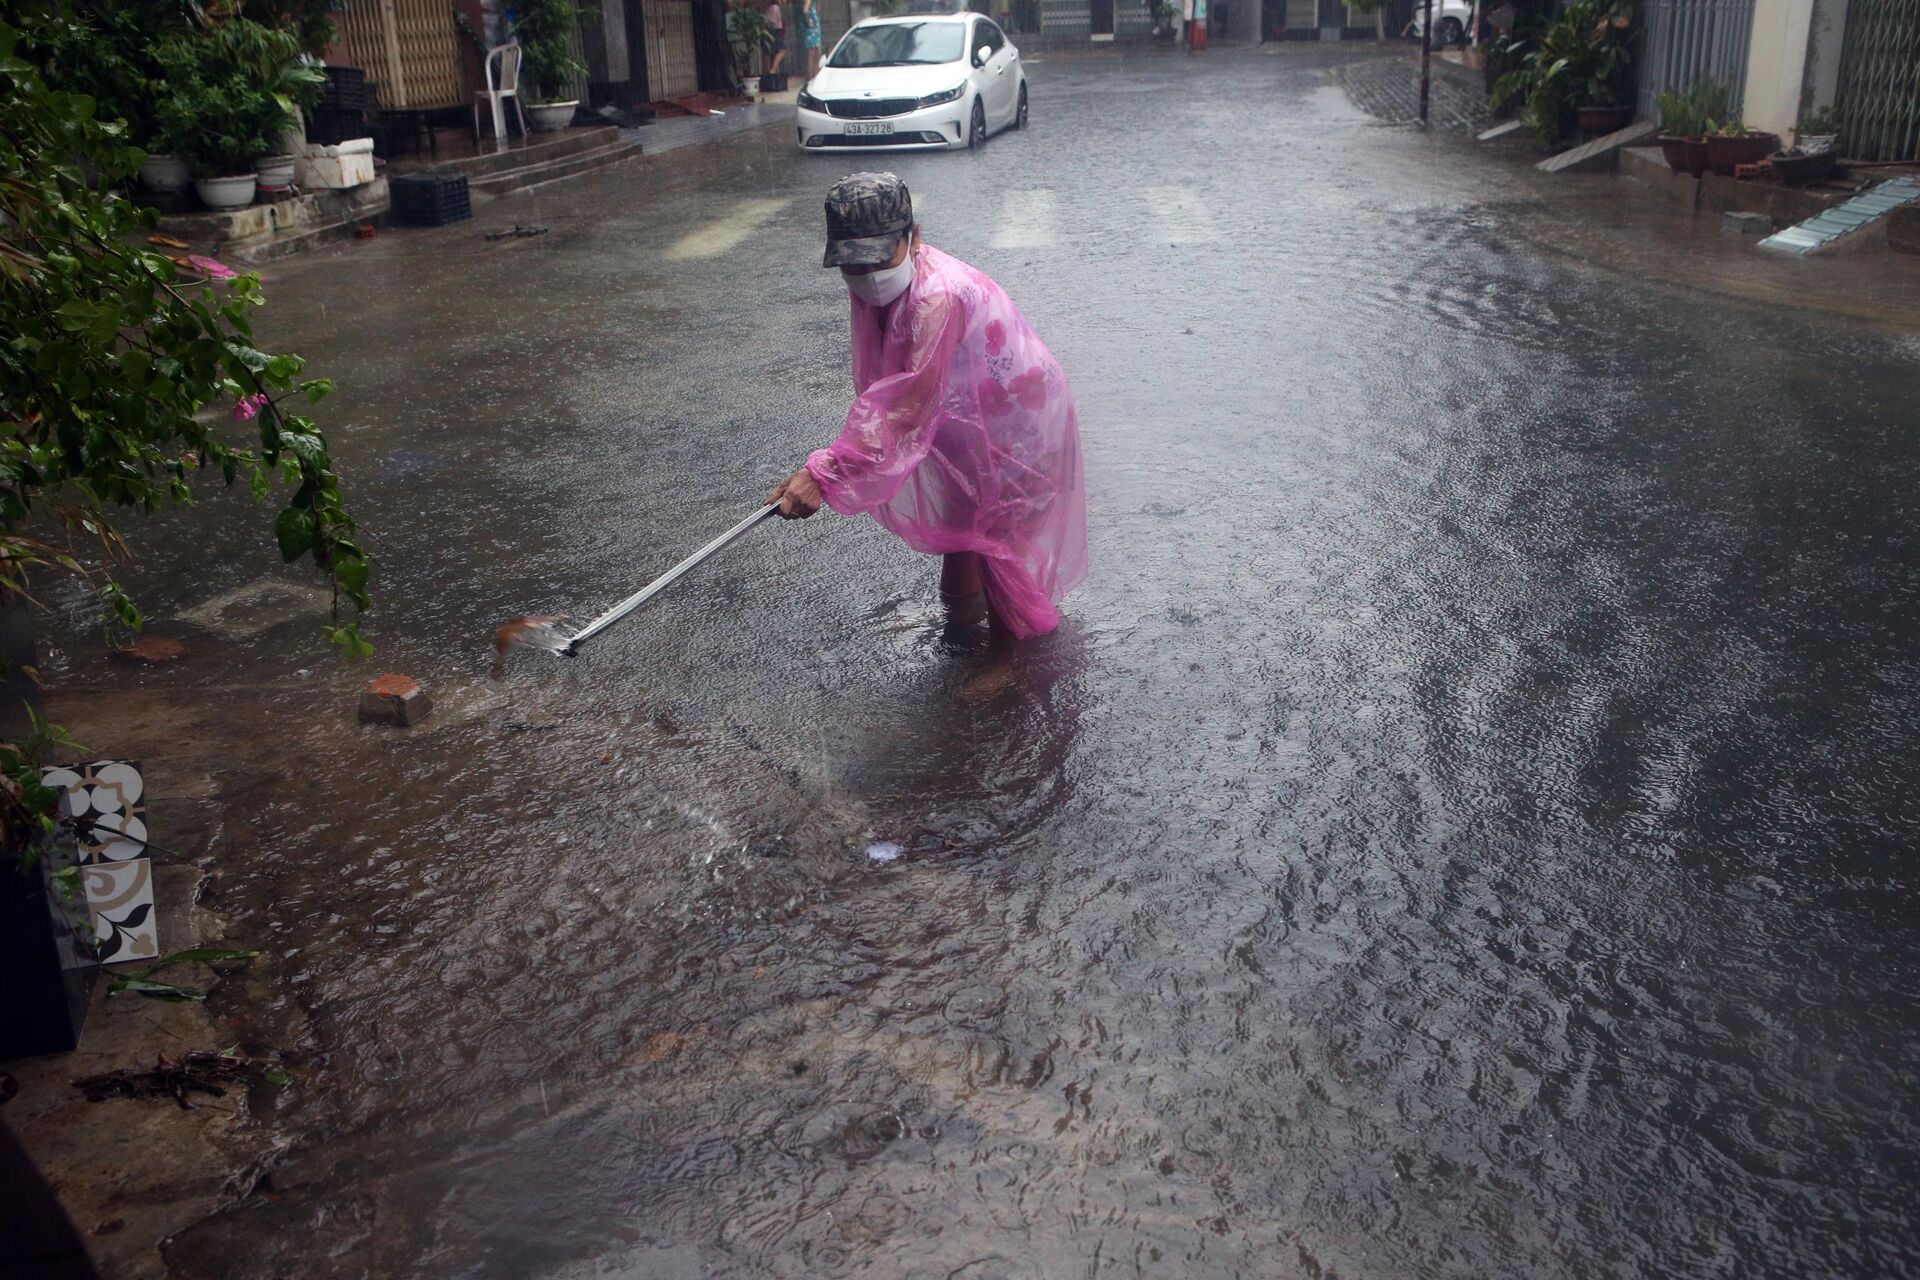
pixel 776 38
pixel 810 35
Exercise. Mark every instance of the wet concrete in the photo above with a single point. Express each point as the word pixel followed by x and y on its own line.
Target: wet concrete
pixel 1459 830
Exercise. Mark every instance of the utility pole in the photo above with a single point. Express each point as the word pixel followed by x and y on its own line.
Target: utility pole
pixel 1426 57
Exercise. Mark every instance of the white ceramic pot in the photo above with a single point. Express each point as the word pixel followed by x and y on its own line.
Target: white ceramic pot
pixel 275 173
pixel 166 174
pixel 551 117
pixel 752 85
pixel 235 192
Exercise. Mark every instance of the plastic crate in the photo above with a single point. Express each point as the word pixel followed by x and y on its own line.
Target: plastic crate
pixel 329 126
pixel 430 198
pixel 346 89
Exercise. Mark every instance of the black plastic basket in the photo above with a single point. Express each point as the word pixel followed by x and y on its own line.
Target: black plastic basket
pixel 328 126
pixel 346 89
pixel 430 198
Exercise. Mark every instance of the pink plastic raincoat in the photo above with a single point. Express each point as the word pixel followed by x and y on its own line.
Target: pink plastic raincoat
pixel 962 438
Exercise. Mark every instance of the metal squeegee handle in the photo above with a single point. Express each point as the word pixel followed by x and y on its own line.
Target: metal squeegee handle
pixel 664 581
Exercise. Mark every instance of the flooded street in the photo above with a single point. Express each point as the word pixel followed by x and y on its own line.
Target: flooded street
pixel 1463 826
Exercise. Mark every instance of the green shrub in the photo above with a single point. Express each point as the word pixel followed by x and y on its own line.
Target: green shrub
pixel 1584 58
pixel 544 29
pixel 1695 110
pixel 230 93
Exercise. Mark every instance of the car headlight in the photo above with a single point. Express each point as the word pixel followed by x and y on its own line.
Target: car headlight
pixel 810 102
pixel 935 99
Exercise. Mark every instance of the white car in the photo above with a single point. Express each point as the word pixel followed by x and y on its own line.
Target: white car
pixel 921 80
pixel 1450 19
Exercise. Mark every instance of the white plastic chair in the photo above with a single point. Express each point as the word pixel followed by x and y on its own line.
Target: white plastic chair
pixel 503 81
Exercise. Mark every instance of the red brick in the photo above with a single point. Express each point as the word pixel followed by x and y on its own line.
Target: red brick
pixel 154 650
pixel 394 699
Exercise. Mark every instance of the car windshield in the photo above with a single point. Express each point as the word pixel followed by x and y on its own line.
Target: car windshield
pixel 901 44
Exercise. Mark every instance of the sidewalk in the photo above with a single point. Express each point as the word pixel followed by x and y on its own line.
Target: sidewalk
pixel 1389 87
pixel 1632 222
pixel 684 131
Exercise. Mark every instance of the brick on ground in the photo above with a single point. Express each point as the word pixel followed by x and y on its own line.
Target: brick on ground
pixel 394 699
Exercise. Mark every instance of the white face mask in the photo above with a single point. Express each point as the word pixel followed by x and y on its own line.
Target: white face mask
pixel 878 288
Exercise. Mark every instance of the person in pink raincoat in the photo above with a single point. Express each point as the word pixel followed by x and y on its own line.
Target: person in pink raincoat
pixel 961 438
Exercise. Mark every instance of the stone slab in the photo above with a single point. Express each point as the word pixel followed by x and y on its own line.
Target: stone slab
pixel 1747 224
pixel 1600 153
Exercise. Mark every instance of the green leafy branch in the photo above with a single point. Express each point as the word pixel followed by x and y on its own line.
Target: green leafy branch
pixel 113 379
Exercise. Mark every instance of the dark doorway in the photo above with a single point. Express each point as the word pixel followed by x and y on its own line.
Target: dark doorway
pixel 712 61
pixel 1103 17
pixel 635 13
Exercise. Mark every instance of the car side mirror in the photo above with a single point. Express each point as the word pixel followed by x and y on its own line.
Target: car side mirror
pixel 982 56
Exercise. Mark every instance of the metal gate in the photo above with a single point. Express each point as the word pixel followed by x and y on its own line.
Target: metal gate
pixel 408 47
pixel 1688 39
pixel 1879 96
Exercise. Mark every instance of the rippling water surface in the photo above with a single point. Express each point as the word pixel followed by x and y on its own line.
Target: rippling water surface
pixel 1463 828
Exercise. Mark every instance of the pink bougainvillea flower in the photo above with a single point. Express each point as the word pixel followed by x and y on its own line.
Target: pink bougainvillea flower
pixel 218 270
pixel 249 406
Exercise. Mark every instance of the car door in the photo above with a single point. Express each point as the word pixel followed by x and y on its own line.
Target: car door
pixel 1000 81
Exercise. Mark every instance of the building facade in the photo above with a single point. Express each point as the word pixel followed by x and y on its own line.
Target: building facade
pixel 1859 57
pixel 1783 58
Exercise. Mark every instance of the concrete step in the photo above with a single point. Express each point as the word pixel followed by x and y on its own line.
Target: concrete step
pixel 280 217
pixel 565 167
pixel 544 149
pixel 286 244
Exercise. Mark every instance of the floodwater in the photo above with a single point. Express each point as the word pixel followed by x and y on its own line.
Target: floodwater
pixel 1463 828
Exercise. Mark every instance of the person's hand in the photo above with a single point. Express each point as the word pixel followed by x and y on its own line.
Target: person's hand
pixel 798 495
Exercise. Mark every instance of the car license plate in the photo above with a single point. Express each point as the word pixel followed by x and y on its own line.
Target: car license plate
pixel 870 126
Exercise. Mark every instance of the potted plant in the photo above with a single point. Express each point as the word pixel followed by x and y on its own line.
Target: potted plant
pixel 1582 58
pixel 747 35
pixel 1684 117
pixel 1816 144
pixel 295 83
pixel 229 102
pixel 543 28
pixel 1606 101
pixel 1813 152
pixel 1165 16
pixel 1732 144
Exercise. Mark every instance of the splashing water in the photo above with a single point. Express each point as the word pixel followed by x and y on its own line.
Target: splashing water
pixel 530 631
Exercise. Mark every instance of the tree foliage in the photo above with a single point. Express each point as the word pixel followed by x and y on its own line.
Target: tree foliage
pixel 125 372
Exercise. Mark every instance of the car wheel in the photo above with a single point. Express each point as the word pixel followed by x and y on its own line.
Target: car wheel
pixel 1020 118
pixel 977 130
pixel 1451 32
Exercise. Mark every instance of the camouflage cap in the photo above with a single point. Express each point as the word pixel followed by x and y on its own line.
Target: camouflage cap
pixel 867 213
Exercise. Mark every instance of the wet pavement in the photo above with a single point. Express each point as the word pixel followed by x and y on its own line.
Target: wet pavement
pixel 1461 829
